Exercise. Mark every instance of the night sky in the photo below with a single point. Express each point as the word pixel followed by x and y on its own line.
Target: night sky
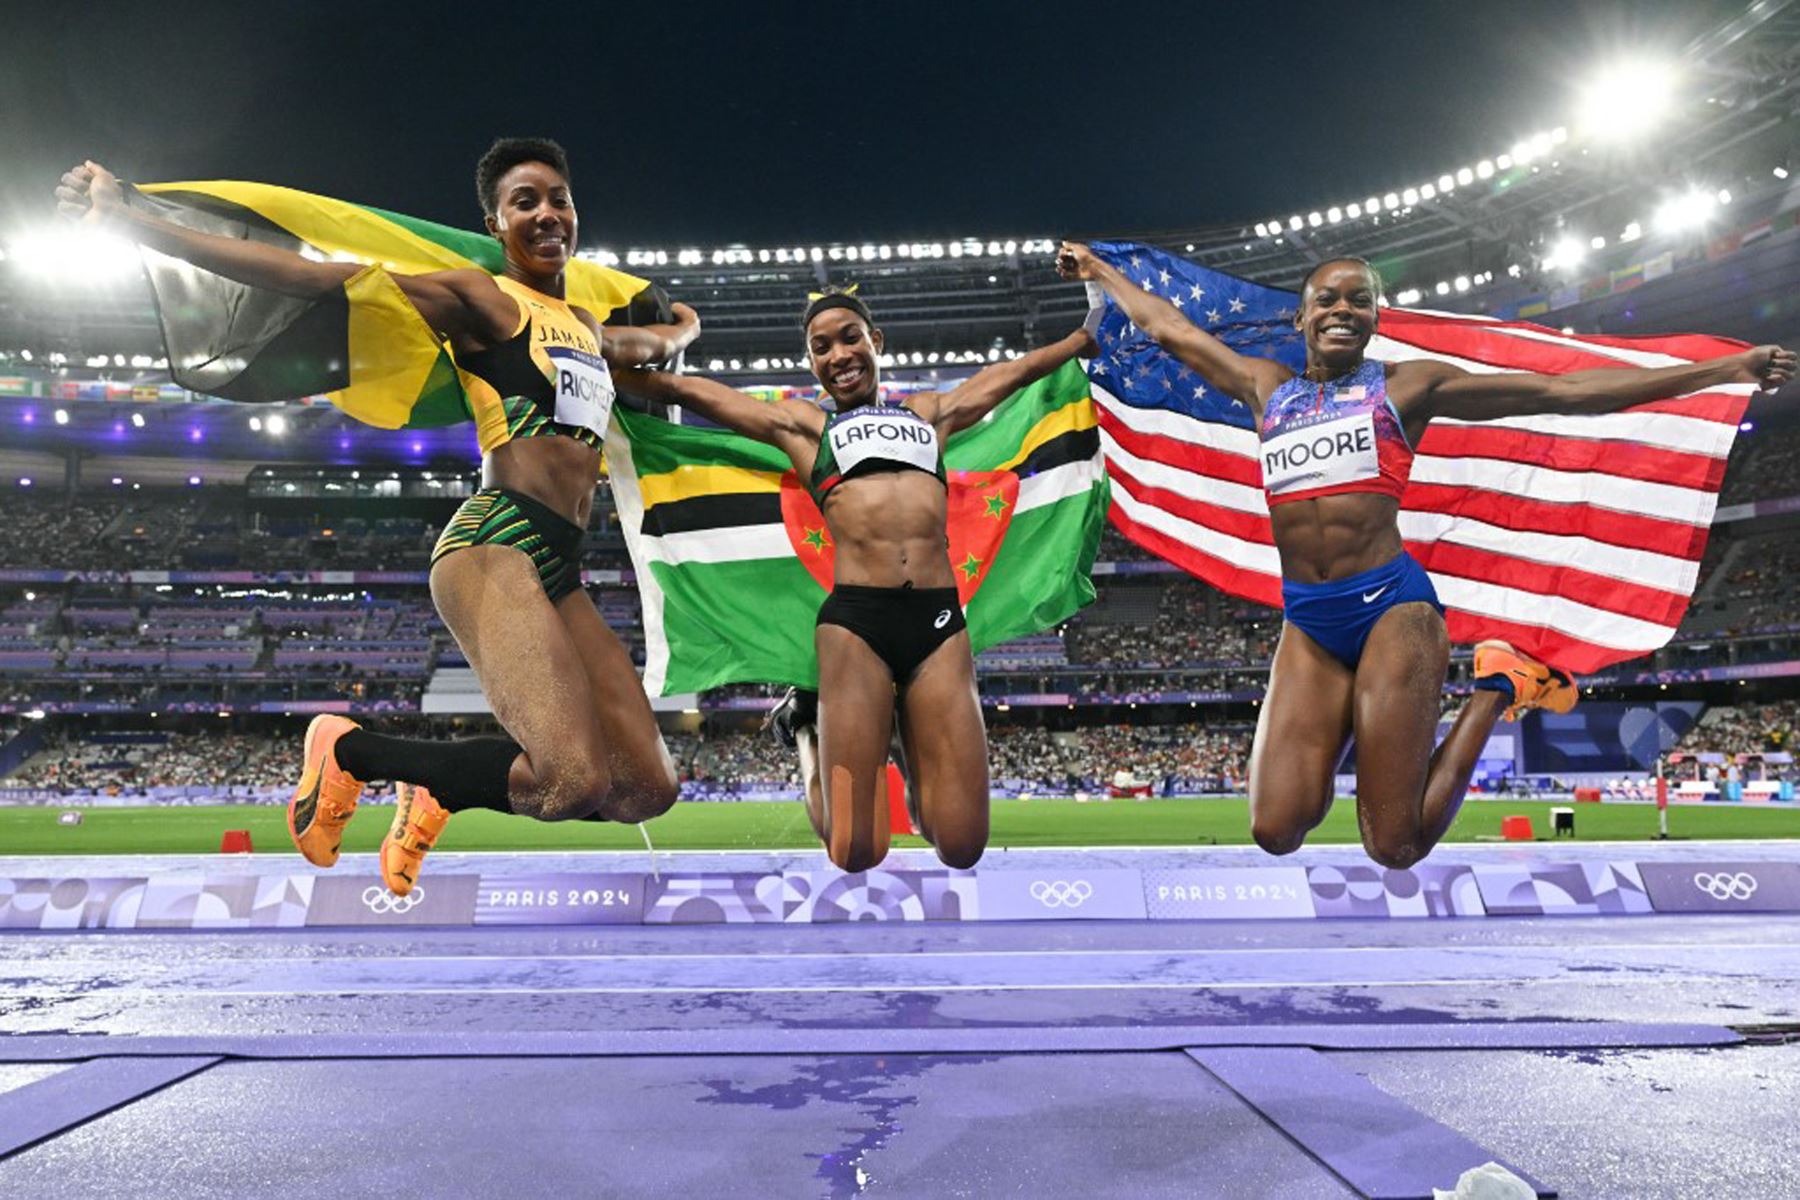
pixel 784 123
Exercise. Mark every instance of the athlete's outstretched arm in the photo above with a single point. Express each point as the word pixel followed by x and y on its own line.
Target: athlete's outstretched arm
pixel 1453 392
pixel 641 345
pixel 452 302
pixel 1239 376
pixel 784 424
pixel 976 396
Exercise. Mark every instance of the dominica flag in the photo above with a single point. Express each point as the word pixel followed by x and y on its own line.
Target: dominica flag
pixel 733 558
pixel 364 346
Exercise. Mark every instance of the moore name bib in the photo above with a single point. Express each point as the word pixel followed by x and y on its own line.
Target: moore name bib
pixel 584 388
pixel 1320 453
pixel 888 435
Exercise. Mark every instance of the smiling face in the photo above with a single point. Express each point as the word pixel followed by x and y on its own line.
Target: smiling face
pixel 1338 313
pixel 534 218
pixel 841 349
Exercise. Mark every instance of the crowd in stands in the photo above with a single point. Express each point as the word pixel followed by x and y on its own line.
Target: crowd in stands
pixel 1764 465
pixel 1746 729
pixel 205 760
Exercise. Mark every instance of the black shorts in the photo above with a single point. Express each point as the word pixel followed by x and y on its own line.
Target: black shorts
pixel 902 625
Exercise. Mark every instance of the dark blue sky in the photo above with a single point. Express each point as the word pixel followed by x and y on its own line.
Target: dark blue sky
pixel 784 122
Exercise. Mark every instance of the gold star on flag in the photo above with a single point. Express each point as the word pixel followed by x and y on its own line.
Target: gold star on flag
pixel 970 567
pixel 996 505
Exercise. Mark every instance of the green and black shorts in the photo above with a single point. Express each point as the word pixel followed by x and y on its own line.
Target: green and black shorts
pixel 498 517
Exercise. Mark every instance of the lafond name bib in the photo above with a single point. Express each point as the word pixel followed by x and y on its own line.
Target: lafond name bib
pixel 584 388
pixel 886 436
pixel 1321 452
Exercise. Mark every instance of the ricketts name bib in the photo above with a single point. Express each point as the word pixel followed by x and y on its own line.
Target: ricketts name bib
pixel 584 388
pixel 1324 451
pixel 886 435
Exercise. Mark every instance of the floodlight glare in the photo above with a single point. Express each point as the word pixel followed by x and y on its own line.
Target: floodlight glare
pixel 1685 212
pixel 1627 99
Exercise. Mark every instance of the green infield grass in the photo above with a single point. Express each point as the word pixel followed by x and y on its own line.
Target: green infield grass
pixel 783 826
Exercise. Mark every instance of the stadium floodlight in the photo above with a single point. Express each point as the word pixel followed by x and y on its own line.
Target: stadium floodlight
pixel 1597 242
pixel 1781 172
pixel 1447 183
pixel 1625 99
pixel 1410 196
pixel 1686 212
pixel 137 420
pixel 62 416
pixel 255 424
pixel 1443 287
pixel 1484 169
pixel 1724 195
pixel 1353 211
pixel 1262 229
pixel 1427 191
pixel 1466 175
pixel 193 481
pixel 1315 219
pixel 1409 296
pixel 1462 283
pixel 1295 222
pixel 1567 252
pixel 1632 232
pixel 276 424
pixel 117 481
pixel 1334 214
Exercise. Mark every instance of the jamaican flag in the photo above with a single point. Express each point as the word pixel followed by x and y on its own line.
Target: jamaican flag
pixel 363 345
pixel 733 558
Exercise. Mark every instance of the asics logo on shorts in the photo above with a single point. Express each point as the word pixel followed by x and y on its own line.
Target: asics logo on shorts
pixel 1740 886
pixel 1061 893
pixel 943 619
pixel 382 902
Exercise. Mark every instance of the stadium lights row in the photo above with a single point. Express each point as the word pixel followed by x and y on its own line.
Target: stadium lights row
pixel 1526 151
pixel 732 256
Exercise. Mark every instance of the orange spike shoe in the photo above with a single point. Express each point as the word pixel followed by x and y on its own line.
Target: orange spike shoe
pixel 418 821
pixel 1535 685
pixel 326 798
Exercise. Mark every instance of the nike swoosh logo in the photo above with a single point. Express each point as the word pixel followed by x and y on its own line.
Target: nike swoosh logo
pixel 308 804
pixel 1369 597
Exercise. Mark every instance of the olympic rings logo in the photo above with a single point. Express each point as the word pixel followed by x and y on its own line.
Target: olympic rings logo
pixel 382 902
pixel 1061 893
pixel 1740 886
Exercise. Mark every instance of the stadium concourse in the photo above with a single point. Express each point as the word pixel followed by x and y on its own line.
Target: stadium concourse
pixel 1124 997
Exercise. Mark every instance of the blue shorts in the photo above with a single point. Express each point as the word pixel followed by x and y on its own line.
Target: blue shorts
pixel 1339 615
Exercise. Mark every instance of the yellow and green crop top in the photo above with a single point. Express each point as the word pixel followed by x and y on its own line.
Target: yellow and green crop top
pixel 547 379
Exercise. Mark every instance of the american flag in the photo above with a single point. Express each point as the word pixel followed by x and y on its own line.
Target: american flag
pixel 1576 538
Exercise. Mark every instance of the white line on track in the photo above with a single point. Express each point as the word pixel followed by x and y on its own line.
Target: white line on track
pixel 553 990
pixel 1180 952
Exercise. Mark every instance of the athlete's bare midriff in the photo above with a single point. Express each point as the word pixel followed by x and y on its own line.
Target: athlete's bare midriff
pixel 557 472
pixel 1333 537
pixel 889 530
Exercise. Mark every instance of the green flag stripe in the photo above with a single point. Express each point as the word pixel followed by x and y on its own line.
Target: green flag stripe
pixel 480 249
pixel 658 447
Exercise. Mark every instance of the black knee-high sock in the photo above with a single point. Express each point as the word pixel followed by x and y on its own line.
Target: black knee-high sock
pixel 465 773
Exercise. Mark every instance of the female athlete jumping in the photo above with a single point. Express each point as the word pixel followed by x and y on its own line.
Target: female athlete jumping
pixel 892 622
pixel 1363 647
pixel 506 573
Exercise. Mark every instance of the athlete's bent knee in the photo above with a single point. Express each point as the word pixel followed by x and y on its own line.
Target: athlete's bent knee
pixel 852 857
pixel 572 792
pixel 1277 837
pixel 640 801
pixel 1395 853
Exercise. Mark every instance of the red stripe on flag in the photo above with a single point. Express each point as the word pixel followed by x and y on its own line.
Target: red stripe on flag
pixel 1189 455
pixel 1546 645
pixel 1625 460
pixel 1226 576
pixel 1625 597
pixel 1510 511
pixel 1252 527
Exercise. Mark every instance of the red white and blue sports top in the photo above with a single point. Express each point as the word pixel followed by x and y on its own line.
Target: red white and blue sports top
pixel 1328 439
